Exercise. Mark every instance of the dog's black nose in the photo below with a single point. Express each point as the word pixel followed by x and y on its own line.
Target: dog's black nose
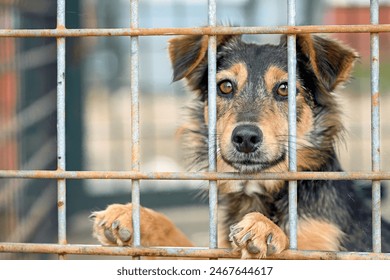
pixel 246 138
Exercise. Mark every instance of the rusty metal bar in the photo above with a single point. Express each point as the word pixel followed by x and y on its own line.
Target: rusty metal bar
pixel 212 126
pixel 61 145
pixel 375 130
pixel 189 252
pixel 217 30
pixel 292 127
pixel 135 175
pixel 135 145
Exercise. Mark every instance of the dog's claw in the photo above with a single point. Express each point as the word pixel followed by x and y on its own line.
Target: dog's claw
pixel 232 227
pixel 234 239
pixel 109 235
pixel 124 234
pixel 252 248
pixel 269 238
pixel 246 237
pixel 234 230
pixel 102 223
pixel 115 224
pixel 270 247
pixel 92 216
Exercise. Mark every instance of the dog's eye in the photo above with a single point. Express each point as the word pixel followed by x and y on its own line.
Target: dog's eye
pixel 283 89
pixel 226 87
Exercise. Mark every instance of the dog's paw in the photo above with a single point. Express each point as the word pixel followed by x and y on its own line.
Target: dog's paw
pixel 256 237
pixel 113 226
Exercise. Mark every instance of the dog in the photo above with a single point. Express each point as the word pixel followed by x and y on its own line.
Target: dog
pixel 252 137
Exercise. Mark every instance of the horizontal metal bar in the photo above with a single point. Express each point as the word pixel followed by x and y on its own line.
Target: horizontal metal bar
pixel 179 252
pixel 135 175
pixel 217 30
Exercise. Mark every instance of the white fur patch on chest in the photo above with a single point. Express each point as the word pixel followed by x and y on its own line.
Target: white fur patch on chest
pixel 252 187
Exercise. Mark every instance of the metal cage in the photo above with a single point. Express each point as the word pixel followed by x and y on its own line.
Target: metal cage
pixel 61 33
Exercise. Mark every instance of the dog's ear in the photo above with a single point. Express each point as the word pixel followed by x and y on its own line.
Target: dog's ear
pixel 188 55
pixel 330 61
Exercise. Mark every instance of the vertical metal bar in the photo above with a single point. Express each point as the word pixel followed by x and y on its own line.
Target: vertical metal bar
pixel 212 129
pixel 61 148
pixel 375 129
pixel 292 125
pixel 135 148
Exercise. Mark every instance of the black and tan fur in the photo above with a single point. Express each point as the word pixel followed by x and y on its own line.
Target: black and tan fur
pixel 252 137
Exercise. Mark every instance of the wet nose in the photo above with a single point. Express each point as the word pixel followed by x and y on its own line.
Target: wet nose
pixel 246 138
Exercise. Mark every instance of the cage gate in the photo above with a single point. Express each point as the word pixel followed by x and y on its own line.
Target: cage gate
pixel 136 175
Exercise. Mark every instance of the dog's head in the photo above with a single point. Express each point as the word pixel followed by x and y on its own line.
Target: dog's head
pixel 252 97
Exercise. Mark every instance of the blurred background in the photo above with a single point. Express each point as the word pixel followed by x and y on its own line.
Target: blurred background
pixel 98 133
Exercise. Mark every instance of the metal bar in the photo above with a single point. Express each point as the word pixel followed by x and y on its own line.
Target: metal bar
pixel 375 129
pixel 135 146
pixel 180 252
pixel 292 127
pixel 209 30
pixel 212 126
pixel 61 161
pixel 135 175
